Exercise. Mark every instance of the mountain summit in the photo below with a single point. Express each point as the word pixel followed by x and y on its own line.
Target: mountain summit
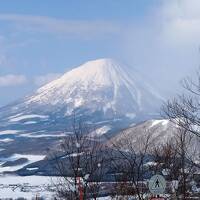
pixel 99 85
pixel 98 91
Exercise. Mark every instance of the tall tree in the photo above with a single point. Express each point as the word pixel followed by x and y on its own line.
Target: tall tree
pixel 81 164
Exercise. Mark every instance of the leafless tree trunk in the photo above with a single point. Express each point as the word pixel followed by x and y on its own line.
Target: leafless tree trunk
pixel 81 164
pixel 184 143
pixel 174 157
pixel 165 157
pixel 184 110
pixel 129 163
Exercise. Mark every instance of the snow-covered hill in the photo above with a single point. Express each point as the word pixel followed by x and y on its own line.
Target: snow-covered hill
pixel 157 132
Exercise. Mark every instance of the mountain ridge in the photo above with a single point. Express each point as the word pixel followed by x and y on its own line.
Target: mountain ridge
pixel 99 91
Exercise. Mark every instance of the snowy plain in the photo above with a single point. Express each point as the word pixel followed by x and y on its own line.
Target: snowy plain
pixel 27 187
pixel 31 159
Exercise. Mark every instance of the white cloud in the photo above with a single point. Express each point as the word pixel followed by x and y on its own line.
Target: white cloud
pixel 165 46
pixel 12 80
pixel 41 80
pixel 45 24
pixel 181 23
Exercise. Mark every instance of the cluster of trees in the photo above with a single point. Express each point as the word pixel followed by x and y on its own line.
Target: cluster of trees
pixel 177 162
pixel 91 161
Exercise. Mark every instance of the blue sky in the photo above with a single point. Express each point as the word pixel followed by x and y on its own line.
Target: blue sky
pixel 41 39
pixel 82 10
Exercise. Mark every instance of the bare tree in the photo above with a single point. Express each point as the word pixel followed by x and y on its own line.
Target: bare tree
pixel 129 163
pixel 184 110
pixel 165 158
pixel 81 164
pixel 175 158
pixel 187 156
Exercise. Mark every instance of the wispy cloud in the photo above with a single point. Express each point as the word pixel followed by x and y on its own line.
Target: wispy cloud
pixel 12 80
pixel 41 80
pixel 59 26
pixel 181 23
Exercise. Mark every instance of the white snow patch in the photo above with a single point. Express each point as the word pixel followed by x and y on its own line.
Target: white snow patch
pixel 37 135
pixel 73 155
pixel 150 163
pixel 6 132
pixel 31 159
pixel 32 168
pixel 100 131
pixel 22 117
pixel 6 140
pixel 103 130
pixel 78 102
pixel 162 121
pixel 30 122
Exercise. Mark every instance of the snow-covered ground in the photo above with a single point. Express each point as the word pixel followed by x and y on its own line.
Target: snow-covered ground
pixel 29 187
pixel 12 186
pixel 26 186
pixel 31 159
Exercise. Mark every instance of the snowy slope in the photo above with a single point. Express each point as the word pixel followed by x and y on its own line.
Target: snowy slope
pixel 158 131
pixel 103 92
pixel 98 85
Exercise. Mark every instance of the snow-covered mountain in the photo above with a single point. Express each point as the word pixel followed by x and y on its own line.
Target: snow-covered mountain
pixel 100 85
pixel 101 92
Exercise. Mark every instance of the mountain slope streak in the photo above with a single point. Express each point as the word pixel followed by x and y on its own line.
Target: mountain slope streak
pixel 99 91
